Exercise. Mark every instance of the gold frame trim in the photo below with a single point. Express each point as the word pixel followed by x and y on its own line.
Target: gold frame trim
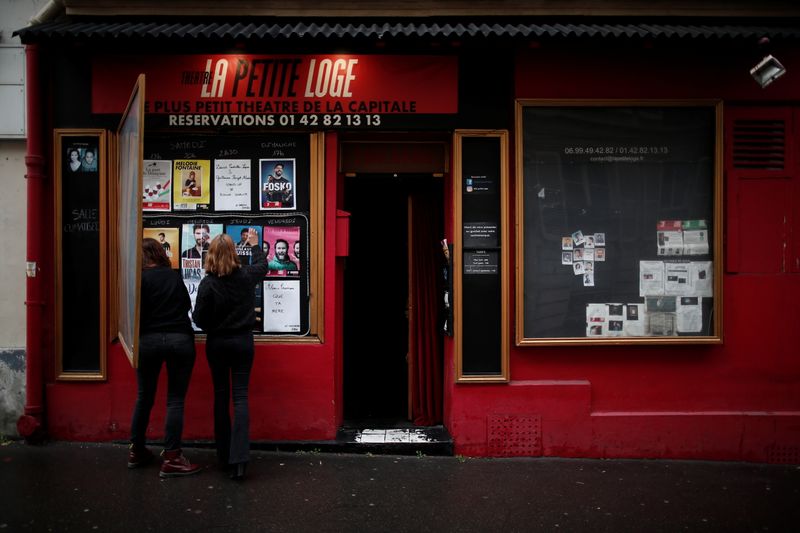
pixel 717 338
pixel 102 147
pixel 505 332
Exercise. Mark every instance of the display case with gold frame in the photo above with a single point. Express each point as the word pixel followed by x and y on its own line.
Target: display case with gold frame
pixel 80 170
pixel 619 222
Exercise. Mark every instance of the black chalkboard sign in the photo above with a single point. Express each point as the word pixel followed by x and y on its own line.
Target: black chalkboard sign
pixel 80 199
pixel 618 222
pixel 228 183
pixel 480 296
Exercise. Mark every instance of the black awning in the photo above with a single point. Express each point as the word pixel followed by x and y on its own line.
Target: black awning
pixel 283 30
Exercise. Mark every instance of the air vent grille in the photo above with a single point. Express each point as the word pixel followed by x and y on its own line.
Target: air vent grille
pixel 759 144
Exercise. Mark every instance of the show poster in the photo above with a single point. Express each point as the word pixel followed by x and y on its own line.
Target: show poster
pixel 282 306
pixel 168 237
pixel 157 185
pixel 193 177
pixel 277 184
pixel 195 239
pixel 283 245
pixel 238 234
pixel 232 185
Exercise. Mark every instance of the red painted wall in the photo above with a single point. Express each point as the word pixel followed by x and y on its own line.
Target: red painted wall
pixel 735 401
pixel 739 400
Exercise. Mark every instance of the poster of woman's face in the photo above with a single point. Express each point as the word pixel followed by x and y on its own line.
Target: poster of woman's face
pixel 80 157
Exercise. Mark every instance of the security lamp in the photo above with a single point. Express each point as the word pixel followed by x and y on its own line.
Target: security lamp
pixel 768 70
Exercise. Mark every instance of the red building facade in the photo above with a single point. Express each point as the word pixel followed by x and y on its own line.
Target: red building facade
pixel 390 131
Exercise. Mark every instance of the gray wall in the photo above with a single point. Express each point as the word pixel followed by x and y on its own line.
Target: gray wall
pixel 14 14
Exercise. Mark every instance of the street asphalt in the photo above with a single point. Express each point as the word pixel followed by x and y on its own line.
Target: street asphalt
pixel 63 486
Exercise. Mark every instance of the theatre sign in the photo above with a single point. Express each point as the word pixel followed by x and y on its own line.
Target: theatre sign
pixel 324 91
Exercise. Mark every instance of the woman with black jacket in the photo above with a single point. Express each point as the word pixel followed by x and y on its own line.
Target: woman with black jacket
pixel 165 337
pixel 225 310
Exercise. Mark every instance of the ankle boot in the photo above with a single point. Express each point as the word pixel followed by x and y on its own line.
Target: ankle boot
pixel 238 471
pixel 138 456
pixel 175 464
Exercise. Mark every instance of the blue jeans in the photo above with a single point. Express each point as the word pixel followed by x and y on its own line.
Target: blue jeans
pixel 155 349
pixel 230 358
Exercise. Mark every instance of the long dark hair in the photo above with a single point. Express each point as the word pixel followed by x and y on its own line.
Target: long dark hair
pixel 153 254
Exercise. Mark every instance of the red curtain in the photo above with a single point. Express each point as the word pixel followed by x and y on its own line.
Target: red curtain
pixel 426 295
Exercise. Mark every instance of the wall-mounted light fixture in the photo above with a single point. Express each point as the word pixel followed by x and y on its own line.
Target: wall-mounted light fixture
pixel 767 70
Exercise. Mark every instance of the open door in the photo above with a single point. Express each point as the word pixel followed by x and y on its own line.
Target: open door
pixel 392 343
pixel 130 137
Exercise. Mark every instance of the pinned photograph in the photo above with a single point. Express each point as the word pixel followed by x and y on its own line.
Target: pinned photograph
pixel 588 279
pixel 577 238
pixel 577 254
pixel 566 243
pixel 599 239
pixel 589 241
pixel 599 254
pixel 566 258
pixel 577 268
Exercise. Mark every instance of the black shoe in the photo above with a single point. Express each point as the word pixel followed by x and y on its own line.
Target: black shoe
pixel 238 470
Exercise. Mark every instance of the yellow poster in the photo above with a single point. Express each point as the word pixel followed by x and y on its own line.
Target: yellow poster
pixel 192 179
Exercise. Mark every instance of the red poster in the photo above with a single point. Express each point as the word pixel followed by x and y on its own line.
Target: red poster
pixel 279 84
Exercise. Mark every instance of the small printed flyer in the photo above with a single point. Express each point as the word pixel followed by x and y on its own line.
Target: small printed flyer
pixel 157 185
pixel 193 178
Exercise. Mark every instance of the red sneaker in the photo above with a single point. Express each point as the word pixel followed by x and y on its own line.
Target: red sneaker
pixel 175 464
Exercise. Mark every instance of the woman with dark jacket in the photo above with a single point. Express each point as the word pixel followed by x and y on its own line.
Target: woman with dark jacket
pixel 225 310
pixel 165 336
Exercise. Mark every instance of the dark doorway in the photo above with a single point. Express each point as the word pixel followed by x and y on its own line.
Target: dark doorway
pixel 376 294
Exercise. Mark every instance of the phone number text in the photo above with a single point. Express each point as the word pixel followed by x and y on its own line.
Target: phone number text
pixel 248 120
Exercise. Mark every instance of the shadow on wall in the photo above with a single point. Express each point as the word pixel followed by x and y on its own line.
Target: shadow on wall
pixel 12 390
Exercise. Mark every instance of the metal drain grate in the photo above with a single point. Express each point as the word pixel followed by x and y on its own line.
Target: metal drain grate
pixel 514 435
pixel 783 455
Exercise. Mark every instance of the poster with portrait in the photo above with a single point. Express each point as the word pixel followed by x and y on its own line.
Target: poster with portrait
pixel 193 184
pixel 157 185
pixel 282 246
pixel 168 237
pixel 277 179
pixel 238 233
pixel 195 239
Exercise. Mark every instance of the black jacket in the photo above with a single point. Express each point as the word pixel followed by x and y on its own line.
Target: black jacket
pixel 226 304
pixel 165 302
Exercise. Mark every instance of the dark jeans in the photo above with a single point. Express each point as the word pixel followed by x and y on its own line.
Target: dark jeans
pixel 230 358
pixel 177 351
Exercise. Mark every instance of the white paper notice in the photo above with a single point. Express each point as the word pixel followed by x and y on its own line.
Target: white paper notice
pixel 703 278
pixel 651 278
pixel 596 316
pixel 634 320
pixel 690 314
pixel 677 279
pixel 282 306
pixel 232 184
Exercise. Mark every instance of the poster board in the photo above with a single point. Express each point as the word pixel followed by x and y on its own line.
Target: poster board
pixel 480 258
pixel 80 163
pixel 227 184
pixel 130 136
pixel 619 222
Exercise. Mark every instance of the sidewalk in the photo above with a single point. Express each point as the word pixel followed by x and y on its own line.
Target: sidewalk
pixel 86 487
